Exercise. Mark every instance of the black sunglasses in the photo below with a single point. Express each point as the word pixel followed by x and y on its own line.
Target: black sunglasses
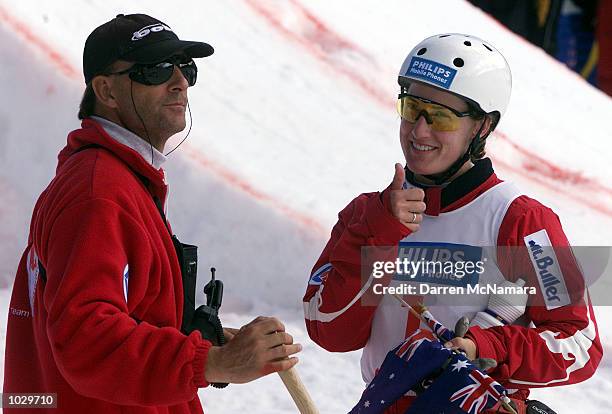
pixel 158 73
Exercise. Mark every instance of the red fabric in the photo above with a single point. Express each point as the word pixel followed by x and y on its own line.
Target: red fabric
pixel 604 38
pixel 364 222
pixel 79 338
pixel 433 200
pixel 522 353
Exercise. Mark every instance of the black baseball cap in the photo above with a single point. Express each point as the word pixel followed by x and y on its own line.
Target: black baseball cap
pixel 136 38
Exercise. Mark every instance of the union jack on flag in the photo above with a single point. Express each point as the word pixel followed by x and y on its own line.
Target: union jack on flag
pixel 417 357
pixel 407 349
pixel 437 328
pixel 461 388
pixel 474 397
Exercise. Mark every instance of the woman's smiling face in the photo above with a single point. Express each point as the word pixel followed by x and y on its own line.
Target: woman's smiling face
pixel 428 151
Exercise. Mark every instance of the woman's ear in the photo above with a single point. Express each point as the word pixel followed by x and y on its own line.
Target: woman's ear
pixel 103 87
pixel 484 125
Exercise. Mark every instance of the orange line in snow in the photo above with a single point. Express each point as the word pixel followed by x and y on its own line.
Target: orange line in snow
pixel 536 163
pixel 326 41
pixel 43 47
pixel 324 36
pixel 524 172
pixel 320 42
pixel 237 182
pixel 232 179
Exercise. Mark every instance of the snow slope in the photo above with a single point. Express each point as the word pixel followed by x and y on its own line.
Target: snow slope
pixel 293 116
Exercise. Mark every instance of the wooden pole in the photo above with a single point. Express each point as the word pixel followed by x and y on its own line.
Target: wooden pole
pixel 298 391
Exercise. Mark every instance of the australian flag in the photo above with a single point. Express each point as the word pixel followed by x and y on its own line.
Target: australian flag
pixel 454 385
pixel 441 331
pixel 403 368
pixel 461 388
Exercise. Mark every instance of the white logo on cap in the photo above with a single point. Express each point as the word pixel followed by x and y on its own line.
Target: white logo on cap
pixel 152 28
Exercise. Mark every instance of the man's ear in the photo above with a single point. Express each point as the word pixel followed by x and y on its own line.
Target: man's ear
pixel 103 87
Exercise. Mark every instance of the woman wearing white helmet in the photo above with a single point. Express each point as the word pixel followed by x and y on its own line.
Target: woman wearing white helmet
pixel 472 82
pixel 454 88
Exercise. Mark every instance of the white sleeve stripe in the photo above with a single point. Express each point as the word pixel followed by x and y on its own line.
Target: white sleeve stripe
pixel 126 281
pixel 575 347
pixel 33 273
pixel 311 308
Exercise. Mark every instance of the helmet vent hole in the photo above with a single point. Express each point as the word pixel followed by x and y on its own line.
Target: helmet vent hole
pixel 467 43
pixel 441 36
pixel 489 48
pixel 458 62
pixel 422 51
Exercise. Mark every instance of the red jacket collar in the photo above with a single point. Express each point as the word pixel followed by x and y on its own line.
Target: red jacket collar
pixel 92 133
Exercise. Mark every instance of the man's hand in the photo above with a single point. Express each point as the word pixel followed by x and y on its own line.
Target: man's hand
pixel 229 333
pixel 259 348
pixel 406 205
pixel 466 345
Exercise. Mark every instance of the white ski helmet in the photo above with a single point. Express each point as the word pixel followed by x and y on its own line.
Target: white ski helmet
pixel 463 65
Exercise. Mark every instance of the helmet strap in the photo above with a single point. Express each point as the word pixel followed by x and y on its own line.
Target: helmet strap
pixel 443 178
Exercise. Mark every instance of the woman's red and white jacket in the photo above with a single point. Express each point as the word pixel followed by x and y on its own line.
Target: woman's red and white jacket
pixel 561 346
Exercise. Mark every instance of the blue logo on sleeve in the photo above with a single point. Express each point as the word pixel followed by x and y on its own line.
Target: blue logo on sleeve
pixel 432 72
pixel 320 275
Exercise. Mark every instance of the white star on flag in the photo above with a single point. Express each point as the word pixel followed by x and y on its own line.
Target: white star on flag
pixel 391 376
pixel 382 401
pixel 366 404
pixel 460 364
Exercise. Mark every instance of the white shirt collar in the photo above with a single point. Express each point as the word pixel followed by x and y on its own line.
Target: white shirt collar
pixel 133 141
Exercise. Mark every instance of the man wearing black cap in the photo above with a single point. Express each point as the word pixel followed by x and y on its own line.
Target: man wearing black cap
pixel 97 305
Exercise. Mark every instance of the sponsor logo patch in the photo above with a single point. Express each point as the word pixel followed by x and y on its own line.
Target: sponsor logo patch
pixel 147 30
pixel 548 272
pixel 320 275
pixel 447 264
pixel 432 72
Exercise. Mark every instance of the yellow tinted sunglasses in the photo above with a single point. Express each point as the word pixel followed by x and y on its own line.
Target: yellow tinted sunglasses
pixel 439 116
